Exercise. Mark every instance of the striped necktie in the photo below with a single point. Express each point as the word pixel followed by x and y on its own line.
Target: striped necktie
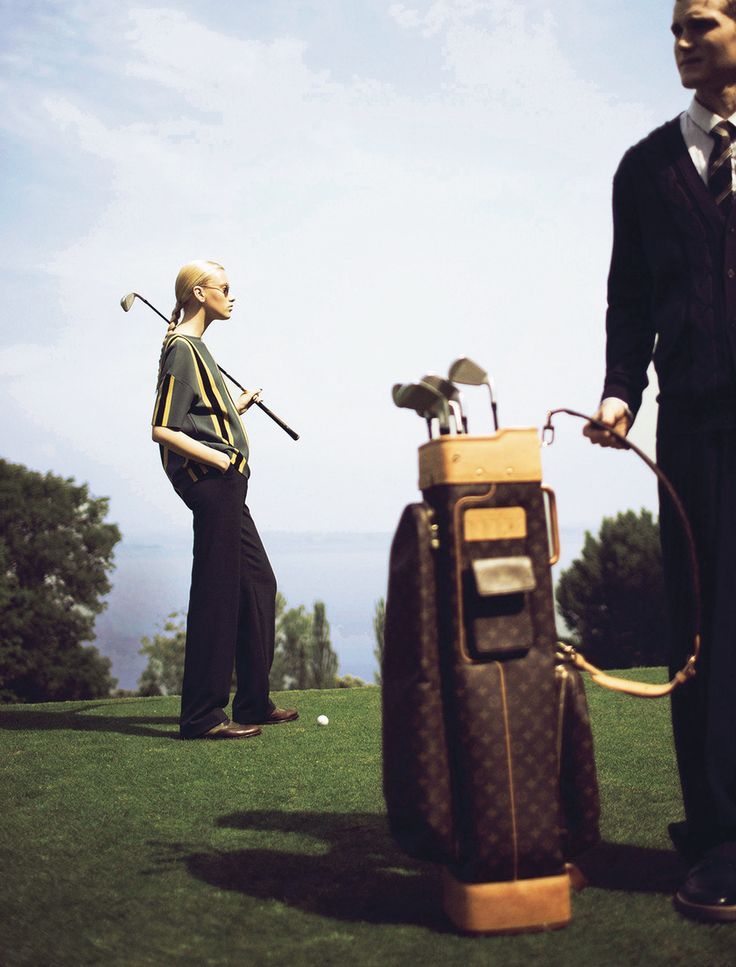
pixel 720 173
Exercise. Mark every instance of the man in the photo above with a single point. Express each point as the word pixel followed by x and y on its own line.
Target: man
pixel 673 280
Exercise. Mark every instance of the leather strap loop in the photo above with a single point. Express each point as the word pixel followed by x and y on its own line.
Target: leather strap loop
pixel 568 653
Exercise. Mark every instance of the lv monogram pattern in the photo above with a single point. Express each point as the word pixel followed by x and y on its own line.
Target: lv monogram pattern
pixel 484 772
pixel 579 801
pixel 416 772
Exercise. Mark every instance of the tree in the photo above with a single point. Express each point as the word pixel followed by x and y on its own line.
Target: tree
pixel 349 681
pixel 304 656
pixel 323 661
pixel 277 676
pixel 612 597
pixel 164 672
pixel 293 639
pixel 379 623
pixel 55 554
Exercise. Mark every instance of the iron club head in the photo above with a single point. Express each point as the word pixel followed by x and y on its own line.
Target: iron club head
pixel 127 301
pixel 470 373
pixel 452 394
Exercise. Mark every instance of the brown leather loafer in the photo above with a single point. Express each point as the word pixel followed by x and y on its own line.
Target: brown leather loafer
pixel 231 730
pixel 279 715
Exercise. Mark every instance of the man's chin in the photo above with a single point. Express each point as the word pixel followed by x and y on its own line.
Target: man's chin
pixel 690 79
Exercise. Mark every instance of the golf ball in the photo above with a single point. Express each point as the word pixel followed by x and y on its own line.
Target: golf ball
pixel 322 720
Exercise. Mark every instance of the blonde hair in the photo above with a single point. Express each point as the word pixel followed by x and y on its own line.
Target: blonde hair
pixel 189 277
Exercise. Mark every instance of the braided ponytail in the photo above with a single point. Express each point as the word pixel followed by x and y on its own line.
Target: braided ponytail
pixel 173 323
pixel 190 275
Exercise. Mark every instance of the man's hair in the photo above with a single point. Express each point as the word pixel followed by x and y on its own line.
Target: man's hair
pixel 729 8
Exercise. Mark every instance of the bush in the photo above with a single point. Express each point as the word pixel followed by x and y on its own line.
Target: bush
pixel 612 597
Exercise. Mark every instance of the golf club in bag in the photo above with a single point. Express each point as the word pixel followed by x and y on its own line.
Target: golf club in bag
pixel 487 747
pixel 126 303
pixel 469 373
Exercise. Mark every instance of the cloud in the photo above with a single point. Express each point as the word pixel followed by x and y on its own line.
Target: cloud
pixel 370 233
pixel 446 14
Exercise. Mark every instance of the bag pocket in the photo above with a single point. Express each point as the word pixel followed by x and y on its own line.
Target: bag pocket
pixel 498 622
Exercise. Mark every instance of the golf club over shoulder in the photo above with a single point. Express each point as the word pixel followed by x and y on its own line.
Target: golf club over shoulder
pixel 126 303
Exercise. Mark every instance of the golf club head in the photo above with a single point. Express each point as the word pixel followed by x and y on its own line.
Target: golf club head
pixel 469 373
pixel 453 396
pixel 466 371
pixel 421 398
pixel 414 396
pixel 127 301
pixel 442 385
pixel 441 409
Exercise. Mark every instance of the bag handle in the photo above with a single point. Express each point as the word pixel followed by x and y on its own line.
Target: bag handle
pixel 567 652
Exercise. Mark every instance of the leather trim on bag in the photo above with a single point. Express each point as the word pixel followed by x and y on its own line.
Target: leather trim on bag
pixel 503 575
pixel 494 524
pixel 458 511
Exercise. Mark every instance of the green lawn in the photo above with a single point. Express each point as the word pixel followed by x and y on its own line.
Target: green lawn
pixel 121 844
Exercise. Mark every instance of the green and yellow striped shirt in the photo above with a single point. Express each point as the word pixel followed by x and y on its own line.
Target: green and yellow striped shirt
pixel 192 397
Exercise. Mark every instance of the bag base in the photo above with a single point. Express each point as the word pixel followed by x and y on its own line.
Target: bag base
pixel 513 906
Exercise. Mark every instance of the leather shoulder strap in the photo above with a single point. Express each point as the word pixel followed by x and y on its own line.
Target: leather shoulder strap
pixel 568 653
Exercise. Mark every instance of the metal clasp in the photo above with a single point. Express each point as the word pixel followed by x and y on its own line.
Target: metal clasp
pixel 548 432
pixel 434 541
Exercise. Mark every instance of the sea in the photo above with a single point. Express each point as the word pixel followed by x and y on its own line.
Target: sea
pixel 347 571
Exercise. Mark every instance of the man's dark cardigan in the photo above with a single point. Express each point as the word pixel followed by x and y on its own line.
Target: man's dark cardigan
pixel 670 278
pixel 673 280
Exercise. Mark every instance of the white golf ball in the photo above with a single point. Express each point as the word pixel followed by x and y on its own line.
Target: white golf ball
pixel 322 720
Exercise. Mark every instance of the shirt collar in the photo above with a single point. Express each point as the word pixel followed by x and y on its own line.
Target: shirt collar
pixel 704 118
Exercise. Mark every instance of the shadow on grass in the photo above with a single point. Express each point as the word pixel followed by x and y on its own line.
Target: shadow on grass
pixel 77 720
pixel 636 869
pixel 357 873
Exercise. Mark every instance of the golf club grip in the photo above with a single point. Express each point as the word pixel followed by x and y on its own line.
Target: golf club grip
pixel 284 426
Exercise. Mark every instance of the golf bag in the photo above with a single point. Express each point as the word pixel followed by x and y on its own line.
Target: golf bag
pixel 487 748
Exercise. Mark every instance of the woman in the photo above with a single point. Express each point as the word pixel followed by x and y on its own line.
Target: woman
pixel 204 451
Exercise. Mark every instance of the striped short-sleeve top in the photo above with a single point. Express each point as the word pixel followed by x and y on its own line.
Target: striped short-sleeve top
pixel 192 397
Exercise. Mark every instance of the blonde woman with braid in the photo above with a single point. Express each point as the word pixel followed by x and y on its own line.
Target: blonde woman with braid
pixel 204 451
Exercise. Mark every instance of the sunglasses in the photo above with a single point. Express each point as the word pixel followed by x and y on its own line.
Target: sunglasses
pixel 225 289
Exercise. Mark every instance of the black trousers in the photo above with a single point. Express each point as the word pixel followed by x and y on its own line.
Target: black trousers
pixel 232 609
pixel 702 467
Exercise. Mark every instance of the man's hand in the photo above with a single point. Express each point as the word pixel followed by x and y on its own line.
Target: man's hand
pixel 247 399
pixel 613 413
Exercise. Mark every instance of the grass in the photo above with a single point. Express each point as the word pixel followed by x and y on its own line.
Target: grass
pixel 121 845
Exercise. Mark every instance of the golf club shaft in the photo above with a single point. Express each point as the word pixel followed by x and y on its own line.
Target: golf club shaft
pixel 494 407
pixel 167 321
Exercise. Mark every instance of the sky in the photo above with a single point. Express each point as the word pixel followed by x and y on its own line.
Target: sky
pixel 389 186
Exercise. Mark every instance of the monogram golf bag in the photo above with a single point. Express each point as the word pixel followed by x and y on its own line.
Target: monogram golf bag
pixel 488 758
